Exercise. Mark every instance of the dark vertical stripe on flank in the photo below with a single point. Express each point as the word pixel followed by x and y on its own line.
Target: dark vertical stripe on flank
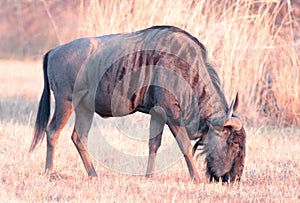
pixel 154 58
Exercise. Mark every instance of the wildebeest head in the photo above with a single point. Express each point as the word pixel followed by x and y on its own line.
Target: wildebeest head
pixel 224 146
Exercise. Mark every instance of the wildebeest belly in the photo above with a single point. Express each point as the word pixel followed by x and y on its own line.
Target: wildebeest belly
pixel 123 100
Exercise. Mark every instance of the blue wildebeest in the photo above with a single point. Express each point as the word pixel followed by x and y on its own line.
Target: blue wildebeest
pixel 162 71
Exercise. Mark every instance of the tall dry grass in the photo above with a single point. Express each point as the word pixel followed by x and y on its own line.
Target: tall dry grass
pixel 244 39
pixel 249 41
pixel 253 44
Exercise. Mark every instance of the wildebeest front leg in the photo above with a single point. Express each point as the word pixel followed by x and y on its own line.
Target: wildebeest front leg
pixel 157 123
pixel 185 146
pixel 63 110
pixel 83 122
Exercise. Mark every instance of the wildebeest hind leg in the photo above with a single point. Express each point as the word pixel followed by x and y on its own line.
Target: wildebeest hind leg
pixel 84 118
pixel 156 129
pixel 62 112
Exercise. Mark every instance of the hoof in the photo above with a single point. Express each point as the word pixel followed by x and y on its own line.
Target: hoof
pixel 92 174
pixel 196 180
pixel 149 175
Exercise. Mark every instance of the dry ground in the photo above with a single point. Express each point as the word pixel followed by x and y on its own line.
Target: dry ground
pixel 271 173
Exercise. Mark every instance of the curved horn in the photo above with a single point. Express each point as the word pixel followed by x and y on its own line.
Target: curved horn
pixel 233 106
pixel 230 110
pixel 236 103
pixel 198 143
pixel 230 120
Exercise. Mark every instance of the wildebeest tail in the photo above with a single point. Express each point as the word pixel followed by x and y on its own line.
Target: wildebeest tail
pixel 43 113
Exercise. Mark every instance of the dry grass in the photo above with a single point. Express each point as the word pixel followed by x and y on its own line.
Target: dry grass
pixel 271 173
pixel 250 43
pixel 254 44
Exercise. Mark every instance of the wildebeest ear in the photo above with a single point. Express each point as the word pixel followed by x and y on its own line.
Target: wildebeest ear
pixel 229 120
pixel 234 122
